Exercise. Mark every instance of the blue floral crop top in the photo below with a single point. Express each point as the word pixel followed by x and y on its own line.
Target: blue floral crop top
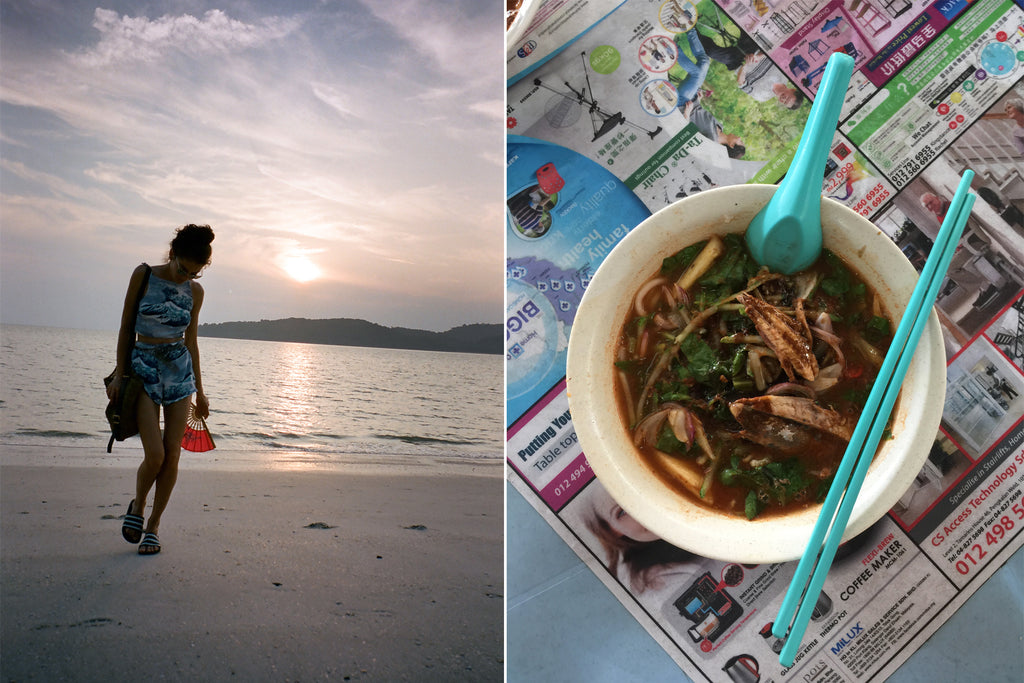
pixel 166 310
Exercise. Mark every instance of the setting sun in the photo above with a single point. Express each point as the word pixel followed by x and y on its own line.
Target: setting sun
pixel 300 268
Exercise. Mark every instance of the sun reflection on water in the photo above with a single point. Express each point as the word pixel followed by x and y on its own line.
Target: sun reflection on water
pixel 304 404
pixel 292 389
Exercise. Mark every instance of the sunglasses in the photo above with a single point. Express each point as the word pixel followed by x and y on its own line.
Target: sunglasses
pixel 186 272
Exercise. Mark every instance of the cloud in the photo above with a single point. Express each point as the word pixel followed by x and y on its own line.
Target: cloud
pixel 128 39
pixel 459 40
pixel 333 98
pixel 493 109
pixel 458 37
pixel 331 133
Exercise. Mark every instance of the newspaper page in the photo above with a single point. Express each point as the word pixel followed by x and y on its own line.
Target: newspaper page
pixel 555 24
pixel 607 131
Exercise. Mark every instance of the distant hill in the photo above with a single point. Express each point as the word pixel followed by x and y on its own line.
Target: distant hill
pixel 478 338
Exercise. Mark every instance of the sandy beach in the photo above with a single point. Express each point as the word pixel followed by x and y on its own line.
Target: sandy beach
pixel 264 576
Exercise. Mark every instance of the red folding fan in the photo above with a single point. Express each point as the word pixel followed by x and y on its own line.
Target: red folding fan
pixel 197 435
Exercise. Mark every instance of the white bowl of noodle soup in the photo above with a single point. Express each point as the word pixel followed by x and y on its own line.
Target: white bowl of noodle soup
pixel 601 426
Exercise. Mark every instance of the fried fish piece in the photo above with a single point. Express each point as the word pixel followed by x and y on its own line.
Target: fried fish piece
pixel 782 334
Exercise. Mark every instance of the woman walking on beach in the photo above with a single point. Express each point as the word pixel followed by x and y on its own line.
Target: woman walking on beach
pixel 166 356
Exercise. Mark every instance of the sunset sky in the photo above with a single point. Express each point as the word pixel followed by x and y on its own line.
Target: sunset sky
pixel 347 154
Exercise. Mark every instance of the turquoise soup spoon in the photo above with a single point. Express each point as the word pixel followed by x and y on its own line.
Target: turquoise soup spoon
pixel 786 234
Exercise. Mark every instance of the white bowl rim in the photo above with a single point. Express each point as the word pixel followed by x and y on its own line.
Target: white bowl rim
pixel 637 489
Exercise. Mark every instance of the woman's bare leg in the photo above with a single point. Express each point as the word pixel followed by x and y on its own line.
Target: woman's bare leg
pixel 153 451
pixel 175 417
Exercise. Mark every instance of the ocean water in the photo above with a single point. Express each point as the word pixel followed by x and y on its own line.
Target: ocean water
pixel 272 404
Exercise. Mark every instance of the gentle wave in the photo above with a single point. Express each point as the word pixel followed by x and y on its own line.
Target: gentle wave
pixel 48 434
pixel 267 397
pixel 423 439
pixel 280 440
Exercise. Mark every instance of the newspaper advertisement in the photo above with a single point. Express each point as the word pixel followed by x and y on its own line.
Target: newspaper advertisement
pixel 659 100
pixel 555 25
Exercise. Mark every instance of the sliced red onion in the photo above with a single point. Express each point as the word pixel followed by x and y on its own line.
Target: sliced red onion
pixel 827 378
pixel 666 290
pixel 662 322
pixel 638 302
pixel 682 296
pixel 647 430
pixel 824 322
pixel 681 421
pixel 641 347
pixel 833 341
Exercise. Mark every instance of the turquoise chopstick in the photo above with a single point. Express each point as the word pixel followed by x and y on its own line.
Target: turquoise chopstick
pixel 860 451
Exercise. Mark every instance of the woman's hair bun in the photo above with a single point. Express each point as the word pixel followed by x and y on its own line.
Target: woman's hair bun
pixel 193 242
pixel 202 234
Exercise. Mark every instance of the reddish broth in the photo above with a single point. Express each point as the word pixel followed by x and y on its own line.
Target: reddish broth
pixel 769 465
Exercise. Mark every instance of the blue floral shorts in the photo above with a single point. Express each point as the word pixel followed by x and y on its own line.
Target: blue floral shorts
pixel 166 371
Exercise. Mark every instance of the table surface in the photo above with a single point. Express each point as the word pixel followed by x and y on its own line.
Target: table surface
pixel 563 624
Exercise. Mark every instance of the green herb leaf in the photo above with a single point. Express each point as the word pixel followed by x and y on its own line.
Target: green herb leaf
pixel 857 397
pixel 838 282
pixel 702 361
pixel 876 329
pixel 676 393
pixel 729 474
pixel 774 483
pixel 732 269
pixel 738 363
pixel 674 384
pixel 745 385
pixel 668 443
pixel 834 286
pixel 751 508
pixel 676 262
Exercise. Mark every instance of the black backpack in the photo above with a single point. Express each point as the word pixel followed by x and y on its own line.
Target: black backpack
pixel 121 413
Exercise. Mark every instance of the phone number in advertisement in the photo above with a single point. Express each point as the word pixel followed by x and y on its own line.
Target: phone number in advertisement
pixel 875 197
pixel 992 518
pixel 905 172
pixel 995 535
pixel 923 110
pixel 570 479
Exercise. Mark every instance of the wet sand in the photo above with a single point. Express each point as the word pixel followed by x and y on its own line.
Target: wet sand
pixel 264 575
